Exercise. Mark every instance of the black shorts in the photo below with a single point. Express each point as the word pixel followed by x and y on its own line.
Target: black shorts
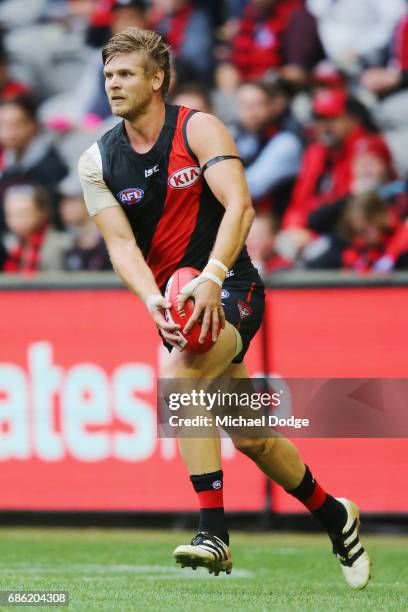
pixel 243 299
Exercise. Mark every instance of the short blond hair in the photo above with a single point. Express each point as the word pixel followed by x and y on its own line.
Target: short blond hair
pixel 150 43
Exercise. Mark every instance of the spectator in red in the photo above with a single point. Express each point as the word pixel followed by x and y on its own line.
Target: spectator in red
pixel 188 31
pixel 340 123
pixel 368 237
pixel 110 16
pixel 273 34
pixel 326 75
pixel 372 164
pixel 33 245
pixel 372 170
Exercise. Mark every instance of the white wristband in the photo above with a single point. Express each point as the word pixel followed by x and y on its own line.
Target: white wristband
pixel 212 277
pixel 218 263
pixel 190 287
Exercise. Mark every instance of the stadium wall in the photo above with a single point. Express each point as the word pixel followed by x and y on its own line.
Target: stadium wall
pixel 78 366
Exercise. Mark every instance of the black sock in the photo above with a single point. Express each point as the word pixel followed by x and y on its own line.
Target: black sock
pixel 209 489
pixel 325 508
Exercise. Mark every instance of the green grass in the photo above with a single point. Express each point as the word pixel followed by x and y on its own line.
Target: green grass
pixel 120 570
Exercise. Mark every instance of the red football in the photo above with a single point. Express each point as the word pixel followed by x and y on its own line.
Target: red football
pixel 190 341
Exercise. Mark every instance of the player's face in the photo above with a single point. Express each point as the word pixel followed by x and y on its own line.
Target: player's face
pixel 128 87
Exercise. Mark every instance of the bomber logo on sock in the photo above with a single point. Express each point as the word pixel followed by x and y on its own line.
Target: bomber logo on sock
pixel 244 309
pixel 217 484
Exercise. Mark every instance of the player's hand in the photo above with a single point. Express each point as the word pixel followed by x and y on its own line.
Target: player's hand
pixel 208 307
pixel 156 305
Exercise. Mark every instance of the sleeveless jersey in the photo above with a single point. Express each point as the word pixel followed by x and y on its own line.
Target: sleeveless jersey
pixel 173 213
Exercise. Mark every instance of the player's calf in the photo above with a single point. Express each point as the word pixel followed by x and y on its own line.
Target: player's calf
pixel 341 519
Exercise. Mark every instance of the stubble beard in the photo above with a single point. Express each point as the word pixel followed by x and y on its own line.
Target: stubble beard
pixel 135 111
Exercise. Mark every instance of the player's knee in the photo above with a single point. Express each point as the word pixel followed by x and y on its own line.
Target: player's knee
pixel 254 447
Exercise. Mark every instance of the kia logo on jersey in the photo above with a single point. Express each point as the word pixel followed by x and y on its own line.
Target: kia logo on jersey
pixel 185 177
pixel 130 196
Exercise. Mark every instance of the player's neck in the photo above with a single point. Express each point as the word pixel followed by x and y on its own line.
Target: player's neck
pixel 144 131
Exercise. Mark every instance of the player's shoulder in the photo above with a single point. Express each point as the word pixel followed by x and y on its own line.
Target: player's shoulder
pixel 112 137
pixel 206 130
pixel 203 120
pixel 91 154
pixel 106 143
pixel 192 116
pixel 206 126
pixel 90 163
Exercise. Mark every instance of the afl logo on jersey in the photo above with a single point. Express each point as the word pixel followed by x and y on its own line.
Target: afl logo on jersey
pixel 130 196
pixel 185 177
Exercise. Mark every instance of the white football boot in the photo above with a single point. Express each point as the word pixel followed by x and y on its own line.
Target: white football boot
pixel 205 550
pixel 355 562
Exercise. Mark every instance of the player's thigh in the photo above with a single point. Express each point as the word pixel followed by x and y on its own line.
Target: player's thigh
pixel 211 364
pixel 236 370
pixel 247 444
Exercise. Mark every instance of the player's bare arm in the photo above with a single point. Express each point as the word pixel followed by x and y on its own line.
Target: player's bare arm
pixel 124 253
pixel 126 257
pixel 132 268
pixel 209 139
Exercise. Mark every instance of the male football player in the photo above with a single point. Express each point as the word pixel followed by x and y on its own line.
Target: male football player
pixel 167 190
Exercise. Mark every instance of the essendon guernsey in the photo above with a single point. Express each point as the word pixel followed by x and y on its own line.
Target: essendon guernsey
pixel 173 213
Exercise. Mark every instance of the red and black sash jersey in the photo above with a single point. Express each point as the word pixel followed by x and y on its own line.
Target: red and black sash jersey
pixel 173 213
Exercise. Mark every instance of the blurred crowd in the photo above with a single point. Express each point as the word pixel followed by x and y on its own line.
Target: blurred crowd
pixel 315 93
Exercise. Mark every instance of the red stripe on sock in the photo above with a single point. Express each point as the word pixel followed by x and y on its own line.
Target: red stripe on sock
pixel 211 499
pixel 317 498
